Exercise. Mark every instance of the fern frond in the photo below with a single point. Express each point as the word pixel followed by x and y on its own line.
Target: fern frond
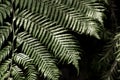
pixel 108 52
pixel 4 68
pixel 64 46
pixel 5 76
pixel 25 62
pixel 17 73
pixel 4 33
pixel 4 53
pixel 5 11
pixel 114 72
pixel 41 57
pixel 68 17
pixel 92 9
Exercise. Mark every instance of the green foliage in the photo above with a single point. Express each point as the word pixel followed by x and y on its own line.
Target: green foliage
pixel 4 33
pixel 4 53
pixel 17 73
pixel 80 16
pixel 63 45
pixel 4 11
pixel 41 58
pixel 114 73
pixel 4 67
pixel 37 35
pixel 111 58
pixel 25 62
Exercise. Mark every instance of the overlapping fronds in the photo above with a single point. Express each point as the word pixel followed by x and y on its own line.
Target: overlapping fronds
pixel 40 33
pixel 63 45
pixel 5 10
pixel 17 73
pixel 80 16
pixel 4 33
pixel 114 72
pixel 4 67
pixel 41 57
pixel 113 54
pixel 107 53
pixel 25 62
pixel 90 8
pixel 5 52
pixel 6 76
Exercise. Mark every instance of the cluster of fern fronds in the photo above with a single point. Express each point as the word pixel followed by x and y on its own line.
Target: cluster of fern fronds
pixel 36 35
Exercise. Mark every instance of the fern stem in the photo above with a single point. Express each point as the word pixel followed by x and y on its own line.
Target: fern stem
pixel 13 35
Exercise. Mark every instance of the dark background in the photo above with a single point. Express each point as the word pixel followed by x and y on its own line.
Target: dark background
pixel 92 47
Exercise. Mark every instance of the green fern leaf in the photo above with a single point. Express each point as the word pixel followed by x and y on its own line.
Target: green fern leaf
pixel 17 73
pixel 25 61
pixel 5 76
pixel 62 44
pixel 89 8
pixel 40 34
pixel 40 56
pixel 117 47
pixel 4 67
pixel 4 33
pixel 5 52
pixel 113 73
pixel 93 9
pixel 71 18
pixel 4 12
